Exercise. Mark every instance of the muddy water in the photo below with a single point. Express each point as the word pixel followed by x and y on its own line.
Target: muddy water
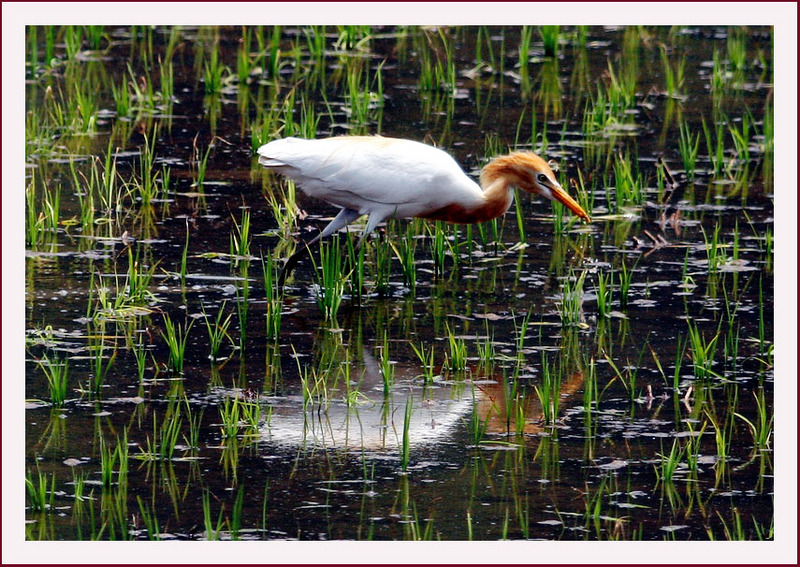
pixel 355 436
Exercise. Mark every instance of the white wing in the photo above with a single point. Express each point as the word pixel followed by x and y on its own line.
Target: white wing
pixel 393 177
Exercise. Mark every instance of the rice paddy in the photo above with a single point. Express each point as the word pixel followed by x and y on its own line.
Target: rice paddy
pixel 527 378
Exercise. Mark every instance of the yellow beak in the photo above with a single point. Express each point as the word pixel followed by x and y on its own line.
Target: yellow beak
pixel 564 198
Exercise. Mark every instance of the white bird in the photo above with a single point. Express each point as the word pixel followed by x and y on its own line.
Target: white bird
pixel 390 177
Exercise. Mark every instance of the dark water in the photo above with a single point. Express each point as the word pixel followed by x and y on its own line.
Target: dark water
pixel 323 460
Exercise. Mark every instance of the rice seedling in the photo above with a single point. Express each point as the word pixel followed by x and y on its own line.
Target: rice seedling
pixel 167 80
pixel 594 500
pixel 330 278
pixel 213 531
pixel 243 305
pixel 670 463
pixel 673 74
pixel 549 392
pixel 525 37
pixel 426 358
pixel 768 145
pixel 111 459
pixel 604 293
pixel 438 71
pixel 550 36
pixel 405 446
pixel 406 256
pixel 737 54
pixel 625 279
pixel 200 164
pixel 477 426
pixel 382 265
pixel 235 521
pixel 364 98
pixel 100 363
pixel 723 435
pixel 57 373
pixel 218 330
pixel 240 238
pixel 715 146
pixel 438 243
pixel 213 71
pixel 149 185
pixel 513 405
pixel 456 356
pixel 765 349
pixel 140 352
pixel 357 270
pixel 761 426
pixel 629 185
pixel 160 446
pixel 149 519
pixel 523 517
pixel 176 338
pixel 274 304
pixel 550 93
pixel 486 349
pixel 692 448
pixel 386 366
pixel 702 351
pixel 230 413
pixel 40 489
pixel 688 146
pixel 570 308
pixel 764 533
pixel 620 92
pixel 122 99
pixel 41 222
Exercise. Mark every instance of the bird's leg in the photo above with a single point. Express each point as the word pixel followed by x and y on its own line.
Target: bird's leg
pixel 340 221
pixel 374 220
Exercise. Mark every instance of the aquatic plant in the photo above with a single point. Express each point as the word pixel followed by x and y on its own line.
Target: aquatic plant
pixel 218 330
pixel 164 439
pixel 176 338
pixel 456 355
pixel 761 426
pixel 673 73
pixel 405 444
pixel 40 489
pixel 550 36
pixel 330 278
pixel 549 392
pixel 688 145
pixel 570 308
pixel 56 371
pixel 426 358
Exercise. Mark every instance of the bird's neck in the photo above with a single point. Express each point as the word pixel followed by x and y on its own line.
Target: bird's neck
pixel 498 194
pixel 494 200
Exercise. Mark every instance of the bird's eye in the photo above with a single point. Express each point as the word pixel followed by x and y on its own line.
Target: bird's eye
pixel 542 178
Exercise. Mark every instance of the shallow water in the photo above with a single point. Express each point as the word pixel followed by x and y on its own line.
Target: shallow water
pixel 338 398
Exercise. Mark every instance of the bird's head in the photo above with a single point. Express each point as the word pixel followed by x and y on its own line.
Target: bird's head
pixel 529 172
